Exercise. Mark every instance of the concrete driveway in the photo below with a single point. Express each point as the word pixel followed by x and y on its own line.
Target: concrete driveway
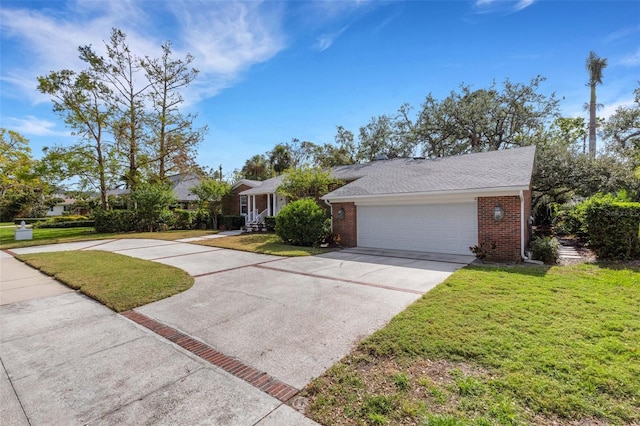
pixel 252 331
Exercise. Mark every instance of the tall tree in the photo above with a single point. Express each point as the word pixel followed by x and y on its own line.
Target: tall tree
pixel 80 100
pixel 120 71
pixel 16 163
pixel 21 187
pixel 623 131
pixel 376 138
pixel 256 168
pixel 280 158
pixel 173 137
pixel 306 182
pixel 594 65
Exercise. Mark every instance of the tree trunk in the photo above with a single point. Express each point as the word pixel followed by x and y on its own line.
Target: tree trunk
pixel 592 122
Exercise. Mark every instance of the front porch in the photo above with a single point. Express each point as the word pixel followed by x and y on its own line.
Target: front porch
pixel 256 207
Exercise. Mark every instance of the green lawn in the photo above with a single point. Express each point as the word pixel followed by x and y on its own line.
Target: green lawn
pixel 120 282
pixel 64 235
pixel 262 243
pixel 518 345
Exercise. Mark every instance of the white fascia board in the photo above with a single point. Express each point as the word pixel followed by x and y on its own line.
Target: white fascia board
pixel 247 182
pixel 427 197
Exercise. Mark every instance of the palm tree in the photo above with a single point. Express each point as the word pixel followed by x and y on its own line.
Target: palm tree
pixel 594 65
pixel 256 168
pixel 280 158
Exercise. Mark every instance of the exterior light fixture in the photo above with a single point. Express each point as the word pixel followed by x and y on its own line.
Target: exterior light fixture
pixel 341 213
pixel 498 212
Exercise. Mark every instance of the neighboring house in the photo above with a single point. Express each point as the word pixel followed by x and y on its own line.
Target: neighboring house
pixel 236 204
pixel 66 205
pixel 263 200
pixel 443 205
pixel 181 185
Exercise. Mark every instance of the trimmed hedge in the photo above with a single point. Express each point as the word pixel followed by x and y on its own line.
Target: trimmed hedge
pixel 29 220
pixel 231 222
pixel 613 228
pixel 270 223
pixel 183 219
pixel 68 224
pixel 301 223
pixel 110 221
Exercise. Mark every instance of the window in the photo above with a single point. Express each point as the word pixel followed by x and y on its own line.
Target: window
pixel 243 205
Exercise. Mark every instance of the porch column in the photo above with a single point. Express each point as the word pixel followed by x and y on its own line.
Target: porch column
pixel 268 204
pixel 253 205
pixel 275 204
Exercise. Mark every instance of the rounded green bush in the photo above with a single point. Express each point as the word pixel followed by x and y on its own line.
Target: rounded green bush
pixel 546 249
pixel 301 223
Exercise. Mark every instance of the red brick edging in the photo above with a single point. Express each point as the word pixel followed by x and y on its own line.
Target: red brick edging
pixel 259 379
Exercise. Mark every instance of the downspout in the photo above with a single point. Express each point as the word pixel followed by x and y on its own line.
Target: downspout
pixel 522 225
pixel 331 209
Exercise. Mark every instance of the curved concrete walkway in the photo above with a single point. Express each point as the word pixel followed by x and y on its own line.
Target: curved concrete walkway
pixel 252 331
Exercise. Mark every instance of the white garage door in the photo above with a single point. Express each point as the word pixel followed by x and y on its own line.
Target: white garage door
pixel 438 228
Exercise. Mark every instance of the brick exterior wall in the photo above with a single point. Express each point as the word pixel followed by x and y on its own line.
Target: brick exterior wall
pixel 231 202
pixel 346 228
pixel 505 233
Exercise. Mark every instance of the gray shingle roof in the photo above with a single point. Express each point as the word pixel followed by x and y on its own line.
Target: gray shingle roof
pixel 506 169
pixel 181 185
pixel 266 187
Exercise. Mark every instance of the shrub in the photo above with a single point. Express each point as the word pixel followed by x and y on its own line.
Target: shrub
pixel 232 221
pixel 301 222
pixel 115 220
pixel 67 218
pixel 183 219
pixel 545 249
pixel 483 251
pixel 29 220
pixel 65 224
pixel 570 220
pixel 202 219
pixel 613 227
pixel 270 223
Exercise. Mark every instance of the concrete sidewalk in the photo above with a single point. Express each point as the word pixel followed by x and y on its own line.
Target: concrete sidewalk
pixel 19 282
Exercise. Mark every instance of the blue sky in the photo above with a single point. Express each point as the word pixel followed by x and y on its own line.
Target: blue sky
pixel 273 71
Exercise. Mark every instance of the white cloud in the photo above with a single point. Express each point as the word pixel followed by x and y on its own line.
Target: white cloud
pixel 226 38
pixel 324 41
pixel 495 6
pixel 622 34
pixel 631 59
pixel 34 126
pixel 523 4
pixel 609 109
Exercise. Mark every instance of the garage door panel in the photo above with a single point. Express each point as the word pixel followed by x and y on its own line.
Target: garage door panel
pixel 439 228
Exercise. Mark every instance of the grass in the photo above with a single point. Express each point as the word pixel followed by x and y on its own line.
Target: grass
pixel 65 235
pixel 518 345
pixel 263 243
pixel 119 282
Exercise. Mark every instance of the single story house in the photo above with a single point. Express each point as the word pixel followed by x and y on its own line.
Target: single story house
pixel 180 184
pixel 442 205
pixel 64 205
